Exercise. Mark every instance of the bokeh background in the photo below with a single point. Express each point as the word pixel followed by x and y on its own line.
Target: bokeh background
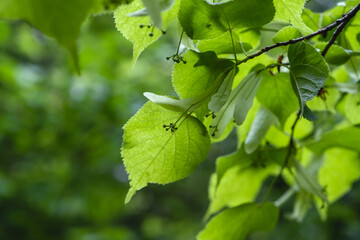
pixel 61 174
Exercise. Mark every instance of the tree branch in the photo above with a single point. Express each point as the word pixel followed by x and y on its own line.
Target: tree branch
pixel 340 24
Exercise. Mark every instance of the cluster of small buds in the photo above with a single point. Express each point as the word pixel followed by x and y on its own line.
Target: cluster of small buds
pixel 151 33
pixel 176 58
pixel 211 114
pixel 215 130
pixel 172 127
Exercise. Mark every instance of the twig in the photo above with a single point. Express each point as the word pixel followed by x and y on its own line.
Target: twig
pixel 334 36
pixel 340 23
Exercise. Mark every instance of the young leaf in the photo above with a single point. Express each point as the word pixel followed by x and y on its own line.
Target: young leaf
pixel 197 75
pixel 347 138
pixel 336 54
pixel 287 33
pixel 239 185
pixel 264 119
pixel 223 44
pixel 237 105
pixel 220 97
pixel 336 175
pixel 172 104
pixel 308 71
pixel 263 158
pixel 153 155
pixel 301 206
pixel 290 11
pixel 188 104
pixel 245 97
pixel 308 182
pixel 129 26
pixel 352 108
pixel 277 95
pixel 203 20
pixel 237 223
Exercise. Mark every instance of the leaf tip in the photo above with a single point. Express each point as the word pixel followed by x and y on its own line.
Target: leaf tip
pixel 129 195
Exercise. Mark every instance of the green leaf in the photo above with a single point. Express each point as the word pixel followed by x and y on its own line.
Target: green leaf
pixel 237 223
pixel 287 33
pixel 191 104
pixel 336 54
pixel 247 90
pixel 198 74
pixel 169 103
pixel 243 130
pixel 153 155
pixel 237 105
pixel 212 186
pixel 308 71
pixel 220 97
pixel 239 185
pixel 301 206
pixel 347 138
pixel 308 181
pixel 308 114
pixel 264 119
pixel 265 157
pixel 223 44
pixel 281 100
pixel 250 36
pixel 203 20
pixel 352 108
pixel 129 26
pixel 57 19
pixel 290 11
pixel 340 169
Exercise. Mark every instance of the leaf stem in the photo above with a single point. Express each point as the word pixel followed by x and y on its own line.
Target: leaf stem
pixel 291 149
pixel 231 35
pixel 178 46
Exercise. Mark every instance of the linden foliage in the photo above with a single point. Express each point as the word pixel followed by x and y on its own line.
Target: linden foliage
pixel 296 109
pixel 295 106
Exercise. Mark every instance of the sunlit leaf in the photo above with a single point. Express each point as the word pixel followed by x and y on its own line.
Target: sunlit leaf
pixel 153 155
pixel 140 36
pixel 203 20
pixel 237 223
pixel 347 138
pixel 290 11
pixel 281 100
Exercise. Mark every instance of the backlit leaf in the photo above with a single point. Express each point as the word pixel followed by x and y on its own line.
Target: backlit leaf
pixel 203 20
pixel 237 223
pixel 153 155
pixel 129 26
pixel 290 11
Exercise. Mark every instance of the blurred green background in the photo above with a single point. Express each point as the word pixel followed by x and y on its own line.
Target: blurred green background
pixel 61 175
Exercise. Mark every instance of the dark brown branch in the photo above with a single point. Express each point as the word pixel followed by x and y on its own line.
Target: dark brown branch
pixel 333 38
pixel 340 23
